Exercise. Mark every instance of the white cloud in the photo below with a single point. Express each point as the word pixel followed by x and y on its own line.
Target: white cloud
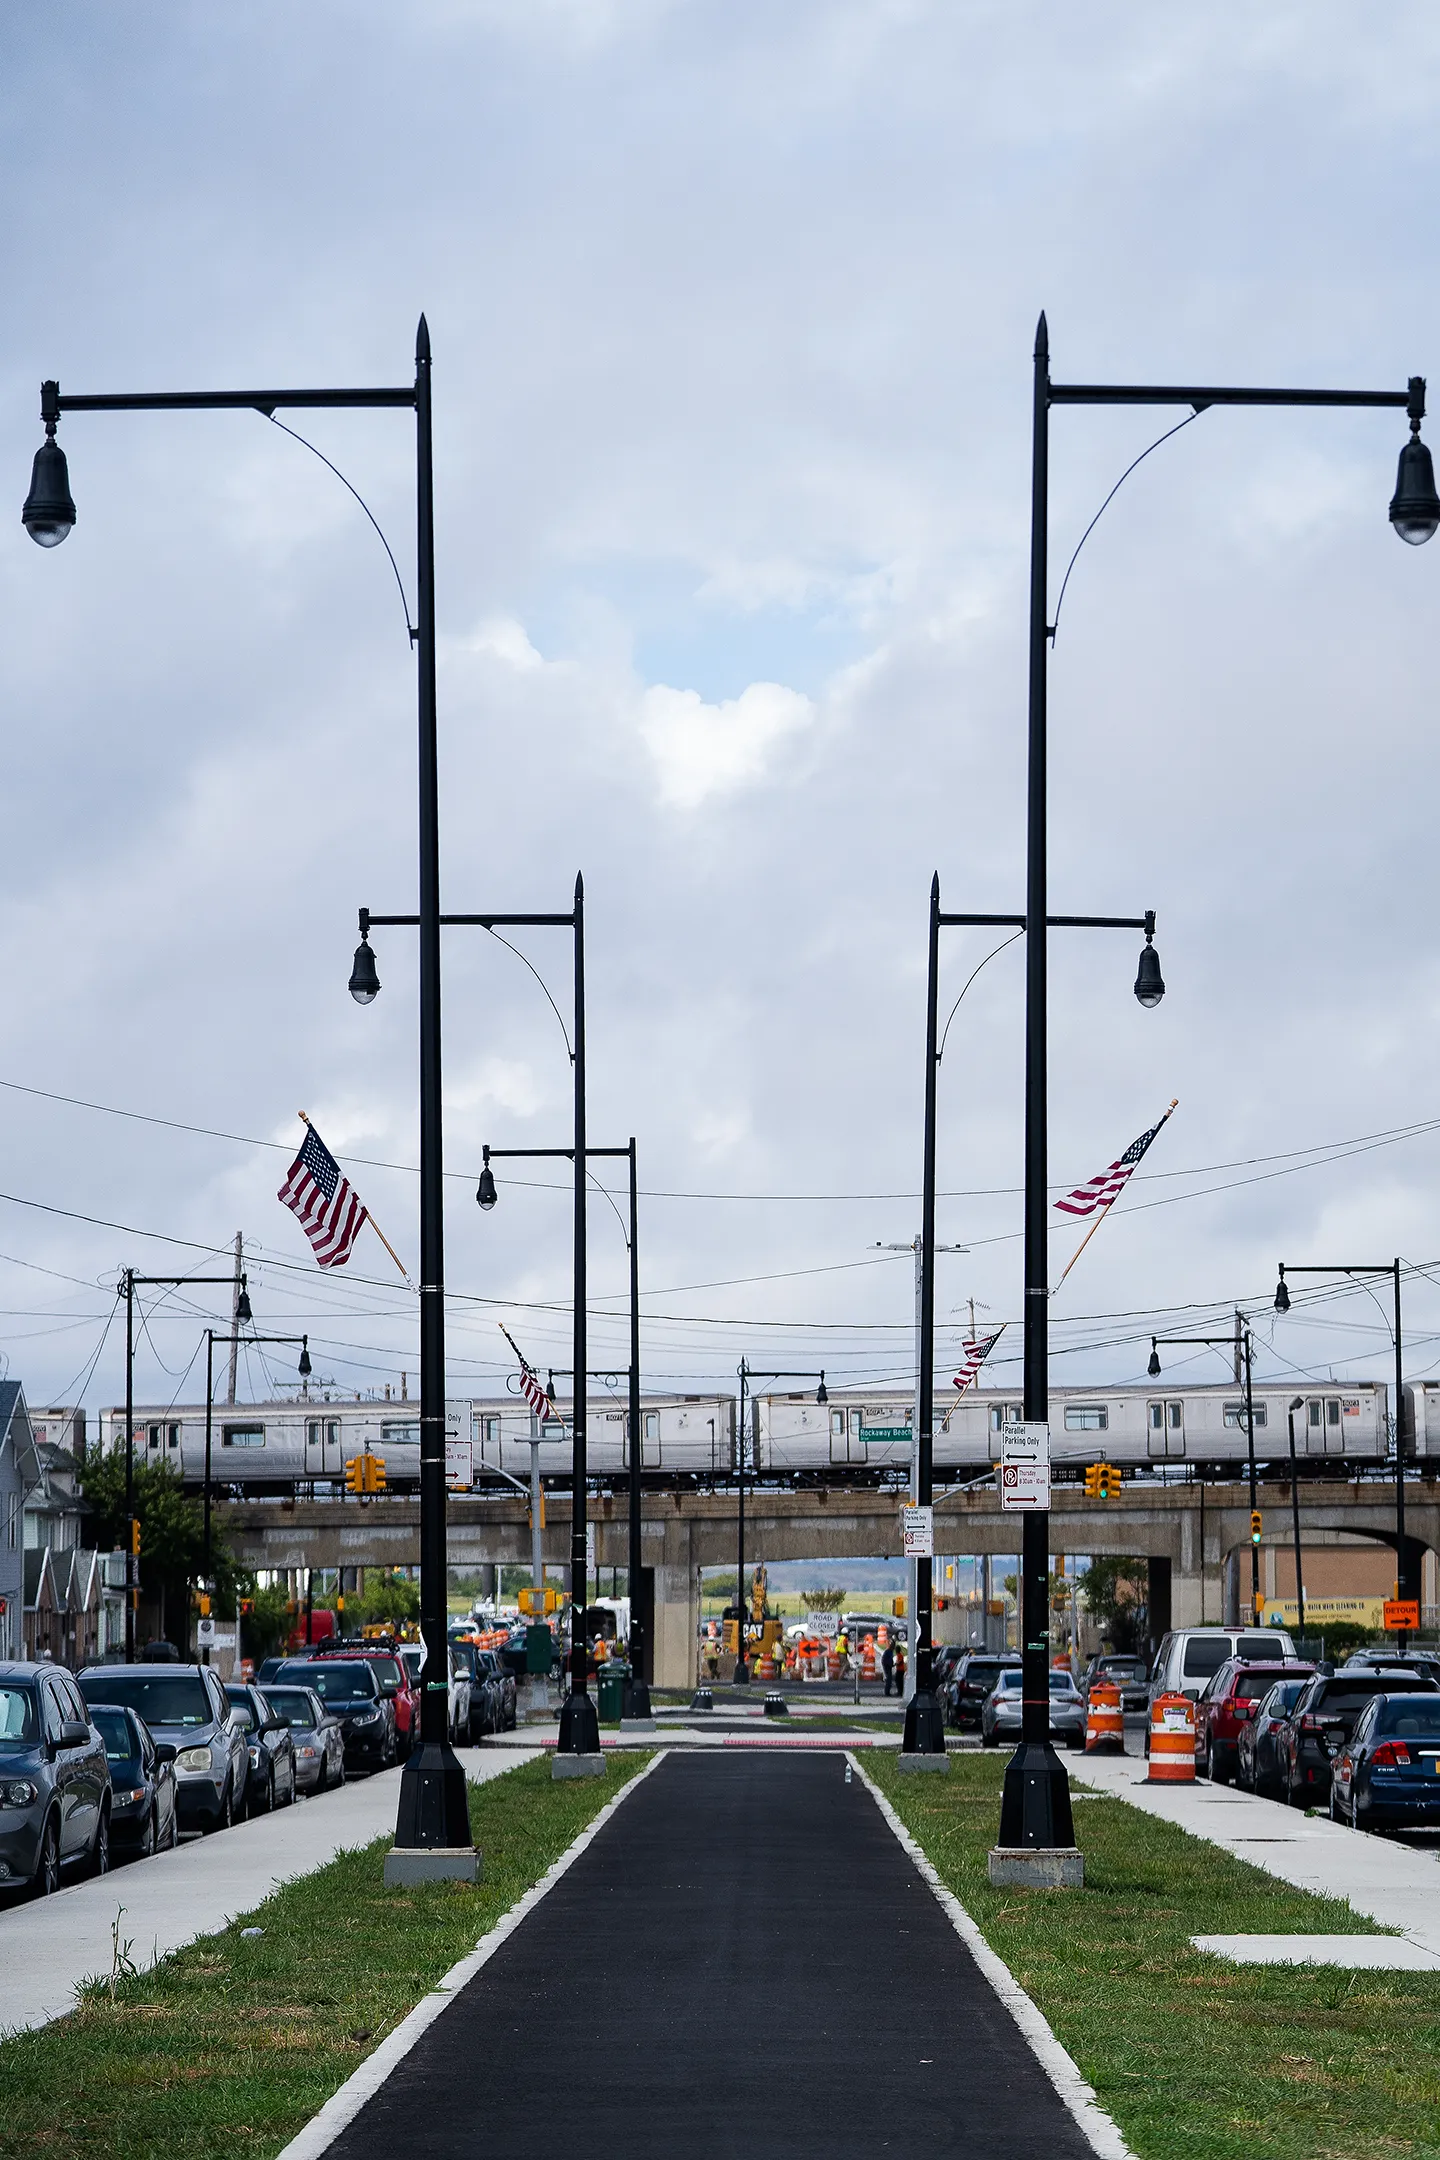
pixel 702 751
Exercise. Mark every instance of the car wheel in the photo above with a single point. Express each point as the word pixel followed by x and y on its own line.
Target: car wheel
pixel 173 1840
pixel 291 1789
pixel 989 1739
pixel 1335 1814
pixel 1217 1769
pixel 99 1861
pixel 226 1818
pixel 151 1836
pixel 47 1865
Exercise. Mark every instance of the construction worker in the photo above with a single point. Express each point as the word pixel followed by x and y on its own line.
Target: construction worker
pixel 899 1669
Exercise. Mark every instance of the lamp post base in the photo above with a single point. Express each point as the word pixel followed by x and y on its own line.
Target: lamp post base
pixel 1058 1867
pixel 434 1813
pixel 573 1766
pixel 741 1675
pixel 921 1762
pixel 579 1726
pixel 430 1864
pixel 634 1700
pixel 1035 1806
pixel 924 1725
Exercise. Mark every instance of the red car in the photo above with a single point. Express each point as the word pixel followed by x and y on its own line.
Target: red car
pixel 1227 1702
pixel 394 1679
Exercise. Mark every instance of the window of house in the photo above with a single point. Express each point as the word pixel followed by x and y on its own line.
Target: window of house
pixel 1086 1417
pixel 249 1436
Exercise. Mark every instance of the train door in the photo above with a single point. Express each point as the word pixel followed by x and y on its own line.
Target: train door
pixel 650 1440
pixel 839 1434
pixel 1001 1415
pixel 1324 1432
pixel 324 1455
pixel 1165 1429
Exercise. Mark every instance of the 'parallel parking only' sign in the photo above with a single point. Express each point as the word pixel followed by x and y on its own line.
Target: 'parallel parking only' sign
pixel 1025 1467
pixel 919 1528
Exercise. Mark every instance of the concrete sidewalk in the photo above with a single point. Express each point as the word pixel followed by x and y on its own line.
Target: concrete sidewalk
pixel 49 1945
pixel 1395 1884
pixel 634 2007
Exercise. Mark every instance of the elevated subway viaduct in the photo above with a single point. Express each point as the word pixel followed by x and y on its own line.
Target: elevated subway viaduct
pixel 1190 1533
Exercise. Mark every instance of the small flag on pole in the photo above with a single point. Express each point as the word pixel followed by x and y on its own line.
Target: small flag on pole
pixel 530 1387
pixel 975 1356
pixel 327 1204
pixel 1105 1188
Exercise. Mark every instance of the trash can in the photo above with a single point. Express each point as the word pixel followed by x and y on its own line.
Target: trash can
pixel 611 1690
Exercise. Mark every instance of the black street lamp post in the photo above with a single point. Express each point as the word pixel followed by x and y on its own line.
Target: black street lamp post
pixel 433 1817
pixel 1407 1549
pixel 741 1675
pixel 579 1725
pixel 1036 1809
pixel 1295 1404
pixel 1028 1815
pixel 636 1697
pixel 130 1282
pixel 1241 1340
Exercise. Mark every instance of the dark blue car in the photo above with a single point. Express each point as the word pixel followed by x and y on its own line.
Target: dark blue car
pixel 1388 1773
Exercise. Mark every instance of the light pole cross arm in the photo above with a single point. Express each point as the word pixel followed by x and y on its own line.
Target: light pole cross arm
pixel 1145 922
pixel 52 404
pixel 1410 400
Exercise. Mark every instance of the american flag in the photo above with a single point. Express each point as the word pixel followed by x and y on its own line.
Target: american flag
pixel 534 1394
pixel 328 1206
pixel 1105 1188
pixel 975 1356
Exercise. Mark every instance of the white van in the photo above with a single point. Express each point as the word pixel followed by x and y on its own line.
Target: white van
pixel 1189 1657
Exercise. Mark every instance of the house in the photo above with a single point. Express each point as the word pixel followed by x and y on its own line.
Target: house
pixel 20 1475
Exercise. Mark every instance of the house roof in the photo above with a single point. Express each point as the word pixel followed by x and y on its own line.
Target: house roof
pixel 15 1427
pixel 39 1576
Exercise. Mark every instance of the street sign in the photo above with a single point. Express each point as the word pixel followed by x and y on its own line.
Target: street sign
pixel 589 1544
pixel 1024 1467
pixel 822 1623
pixel 919 1528
pixel 459 1464
pixel 205 1631
pixel 883 1433
pixel 1402 1616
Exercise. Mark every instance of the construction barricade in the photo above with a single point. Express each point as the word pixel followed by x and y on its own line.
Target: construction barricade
pixel 1172 1740
pixel 1104 1719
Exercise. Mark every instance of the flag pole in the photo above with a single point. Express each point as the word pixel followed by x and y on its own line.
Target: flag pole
pixel 1110 1203
pixel 304 1117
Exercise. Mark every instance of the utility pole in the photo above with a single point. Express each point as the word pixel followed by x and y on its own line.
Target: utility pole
pixel 235 1314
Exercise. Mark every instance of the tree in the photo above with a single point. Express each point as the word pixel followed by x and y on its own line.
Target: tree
pixel 823 1599
pixel 389 1597
pixel 1115 1588
pixel 172 1534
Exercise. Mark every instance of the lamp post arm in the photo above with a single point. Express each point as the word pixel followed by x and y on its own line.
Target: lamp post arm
pixel 1410 400
pixel 261 401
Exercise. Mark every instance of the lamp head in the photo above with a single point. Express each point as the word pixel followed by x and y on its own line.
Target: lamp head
pixel 485 1191
pixel 1153 1368
pixel 1149 982
pixel 822 1393
pixel 1297 1404
pixel 243 1314
pixel 364 982
pixel 306 1368
pixel 49 510
pixel 1282 1294
pixel 1414 507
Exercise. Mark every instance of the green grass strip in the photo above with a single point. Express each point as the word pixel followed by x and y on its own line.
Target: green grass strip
pixel 228 2047
pixel 1196 2059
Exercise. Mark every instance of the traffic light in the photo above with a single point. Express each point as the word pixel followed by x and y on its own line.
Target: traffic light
pixel 1092 1481
pixel 1255 1526
pixel 365 1473
pixel 377 1472
pixel 135 1535
pixel 1109 1481
pixel 355 1474
pixel 204 1604
pixel 247 1607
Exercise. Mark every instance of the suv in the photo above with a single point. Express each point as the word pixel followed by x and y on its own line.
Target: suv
pixel 504 1681
pixel 54 1779
pixel 394 1678
pixel 457 1716
pixel 1226 1703
pixel 1324 1716
pixel 1125 1669
pixel 185 1707
pixel 975 1677
pixel 350 1690
pixel 1188 1657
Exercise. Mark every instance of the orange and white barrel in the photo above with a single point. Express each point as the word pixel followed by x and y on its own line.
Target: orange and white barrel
pixel 1104 1719
pixel 1172 1740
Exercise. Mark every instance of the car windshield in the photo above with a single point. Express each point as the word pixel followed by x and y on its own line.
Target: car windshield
pixel 1342 1695
pixel 1411 1715
pixel 387 1672
pixel 339 1683
pixel 1123 1668
pixel 1011 1679
pixel 159 1698
pixel 115 1730
pixel 292 1704
pixel 1061 1684
pixel 19 1723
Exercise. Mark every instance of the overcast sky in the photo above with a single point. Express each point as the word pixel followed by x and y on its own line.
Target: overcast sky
pixel 732 311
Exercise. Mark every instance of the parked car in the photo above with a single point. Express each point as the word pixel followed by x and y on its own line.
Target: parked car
pixel 504 1681
pixel 394 1680
pixel 973 1679
pixel 55 1796
pixel 186 1706
pixel 412 1657
pixel 1000 1719
pixel 1322 1719
pixel 351 1688
pixel 1188 1657
pixel 143 1814
pixel 1226 1705
pixel 486 1697
pixel 1425 1662
pixel 1128 1671
pixel 943 1664
pixel 1258 1768
pixel 316 1733
pixel 269 1748
pixel 1388 1771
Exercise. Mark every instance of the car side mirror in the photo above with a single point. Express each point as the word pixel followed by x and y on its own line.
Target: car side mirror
pixel 74 1732
pixel 165 1751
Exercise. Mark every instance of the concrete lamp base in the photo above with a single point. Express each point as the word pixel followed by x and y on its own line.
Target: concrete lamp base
pixel 433 1863
pixel 922 1762
pixel 638 1724
pixel 1037 1867
pixel 572 1766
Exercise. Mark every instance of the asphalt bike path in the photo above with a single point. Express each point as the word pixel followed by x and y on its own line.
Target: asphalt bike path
pixel 743 1959
pixel 49 1945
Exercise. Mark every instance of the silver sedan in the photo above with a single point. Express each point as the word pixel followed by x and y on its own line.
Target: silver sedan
pixel 1001 1717
pixel 318 1735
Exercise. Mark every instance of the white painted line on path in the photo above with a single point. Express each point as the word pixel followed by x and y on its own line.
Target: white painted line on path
pixel 320 2133
pixel 1101 2130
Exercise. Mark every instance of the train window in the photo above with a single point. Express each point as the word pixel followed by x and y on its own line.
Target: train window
pixel 312 1432
pixel 400 1435
pixel 553 1429
pixel 1086 1417
pixel 1313 1412
pixel 837 1423
pixel 242 1436
pixel 1157 1417
pixel 1332 1410
pixel 155 1432
pixel 174 1436
pixel 652 1424
pixel 1235 1415
pixel 1175 1415
pixel 332 1431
